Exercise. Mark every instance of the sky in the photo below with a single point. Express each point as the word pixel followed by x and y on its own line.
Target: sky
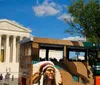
pixel 43 17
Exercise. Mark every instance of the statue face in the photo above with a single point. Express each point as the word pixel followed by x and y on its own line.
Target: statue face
pixel 50 73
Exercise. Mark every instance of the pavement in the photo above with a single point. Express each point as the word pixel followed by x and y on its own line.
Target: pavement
pixel 10 82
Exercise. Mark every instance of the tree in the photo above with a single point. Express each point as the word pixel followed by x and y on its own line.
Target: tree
pixel 86 20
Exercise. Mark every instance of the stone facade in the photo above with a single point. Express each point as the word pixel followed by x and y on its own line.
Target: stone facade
pixel 10 34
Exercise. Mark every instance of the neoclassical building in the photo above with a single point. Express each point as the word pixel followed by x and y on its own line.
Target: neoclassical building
pixel 11 33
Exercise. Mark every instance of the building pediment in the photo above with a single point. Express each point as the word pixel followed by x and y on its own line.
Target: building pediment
pixel 12 26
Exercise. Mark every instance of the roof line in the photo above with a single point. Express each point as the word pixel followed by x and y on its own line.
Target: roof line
pixel 15 23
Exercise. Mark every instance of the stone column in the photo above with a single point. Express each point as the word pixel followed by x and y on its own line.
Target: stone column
pixel 14 49
pixel 7 49
pixel 21 38
pixel 11 49
pixel 0 47
pixel 18 55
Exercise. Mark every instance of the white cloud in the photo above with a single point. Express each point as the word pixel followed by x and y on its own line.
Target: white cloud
pixel 66 17
pixel 76 38
pixel 52 4
pixel 46 9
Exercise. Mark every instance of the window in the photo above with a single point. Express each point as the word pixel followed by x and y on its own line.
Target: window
pixel 42 54
pixel 51 52
pixel 55 55
pixel 76 78
pixel 83 81
pixel 75 53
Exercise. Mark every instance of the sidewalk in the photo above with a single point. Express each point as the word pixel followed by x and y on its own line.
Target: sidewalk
pixel 15 82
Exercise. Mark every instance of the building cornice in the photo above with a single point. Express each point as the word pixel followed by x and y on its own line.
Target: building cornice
pixel 14 23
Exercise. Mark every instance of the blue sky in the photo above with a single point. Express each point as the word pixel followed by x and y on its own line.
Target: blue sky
pixel 43 17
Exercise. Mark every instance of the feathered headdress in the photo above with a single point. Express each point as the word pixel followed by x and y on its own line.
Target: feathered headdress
pixel 38 69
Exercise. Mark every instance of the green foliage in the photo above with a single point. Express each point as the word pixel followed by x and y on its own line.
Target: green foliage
pixel 86 19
